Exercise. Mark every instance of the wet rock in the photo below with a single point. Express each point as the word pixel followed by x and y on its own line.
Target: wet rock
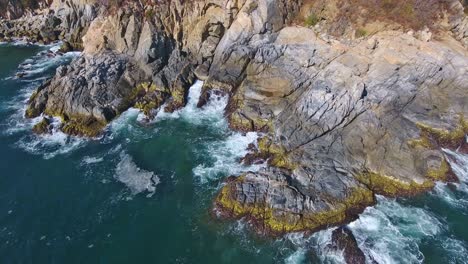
pixel 275 201
pixel 343 240
pixel 65 47
pixel 20 75
pixel 43 127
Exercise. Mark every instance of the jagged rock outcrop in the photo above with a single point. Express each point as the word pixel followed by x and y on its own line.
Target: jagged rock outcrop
pixel 89 93
pixel 168 47
pixel 343 118
pixel 13 9
pixel 64 20
pixel 343 240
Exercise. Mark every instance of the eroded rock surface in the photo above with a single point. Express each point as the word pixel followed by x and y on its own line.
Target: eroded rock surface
pixel 342 118
pixel 63 20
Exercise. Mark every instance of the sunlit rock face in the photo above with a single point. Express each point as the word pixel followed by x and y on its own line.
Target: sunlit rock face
pixel 344 117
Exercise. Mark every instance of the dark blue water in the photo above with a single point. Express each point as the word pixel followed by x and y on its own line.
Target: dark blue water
pixel 143 192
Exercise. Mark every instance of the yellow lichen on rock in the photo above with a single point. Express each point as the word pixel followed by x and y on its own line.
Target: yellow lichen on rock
pixel 278 154
pixel 433 138
pixel 242 123
pixel 277 221
pixel 83 126
pixel 390 186
pixel 440 174
pixel 146 106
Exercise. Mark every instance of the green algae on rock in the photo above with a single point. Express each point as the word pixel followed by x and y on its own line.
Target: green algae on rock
pixel 43 127
pixel 393 187
pixel 83 126
pixel 434 138
pixel 147 97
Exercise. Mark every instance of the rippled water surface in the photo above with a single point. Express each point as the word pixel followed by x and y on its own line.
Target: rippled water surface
pixel 143 192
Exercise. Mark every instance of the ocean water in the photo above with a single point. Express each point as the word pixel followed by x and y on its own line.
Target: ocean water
pixel 143 191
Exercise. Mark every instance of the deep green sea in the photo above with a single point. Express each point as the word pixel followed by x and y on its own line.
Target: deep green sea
pixel 142 193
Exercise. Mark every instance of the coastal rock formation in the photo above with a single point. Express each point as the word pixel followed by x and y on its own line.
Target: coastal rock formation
pixel 167 49
pixel 88 93
pixel 64 20
pixel 345 114
pixel 343 117
pixel 343 240
pixel 13 9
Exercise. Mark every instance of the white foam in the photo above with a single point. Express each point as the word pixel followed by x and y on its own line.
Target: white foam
pixel 456 249
pixel 227 154
pixel 391 232
pixel 455 197
pixel 320 242
pixel 459 164
pixel 211 114
pixel 43 63
pixel 450 196
pixel 92 160
pixel 298 257
pixel 124 121
pixel 136 179
pixel 48 145
pixel 128 125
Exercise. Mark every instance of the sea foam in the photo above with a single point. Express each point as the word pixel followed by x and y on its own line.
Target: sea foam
pixel 211 114
pixel 136 179
pixel 227 154
pixel 36 69
pixel 391 232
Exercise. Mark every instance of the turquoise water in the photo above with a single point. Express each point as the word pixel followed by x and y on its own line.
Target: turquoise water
pixel 143 192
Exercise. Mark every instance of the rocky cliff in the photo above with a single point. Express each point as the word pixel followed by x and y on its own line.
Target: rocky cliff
pixel 349 108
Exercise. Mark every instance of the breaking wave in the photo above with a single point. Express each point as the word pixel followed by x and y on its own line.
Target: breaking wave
pixel 91 160
pixel 319 242
pixel 211 114
pixel 227 154
pixel 387 233
pixel 29 75
pixel 391 232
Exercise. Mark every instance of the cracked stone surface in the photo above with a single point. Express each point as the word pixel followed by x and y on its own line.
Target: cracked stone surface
pixel 340 112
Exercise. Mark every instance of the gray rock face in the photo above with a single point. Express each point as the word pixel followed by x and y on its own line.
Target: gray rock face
pixel 343 240
pixel 65 20
pixel 94 87
pixel 343 119
pixel 163 45
pixel 12 9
